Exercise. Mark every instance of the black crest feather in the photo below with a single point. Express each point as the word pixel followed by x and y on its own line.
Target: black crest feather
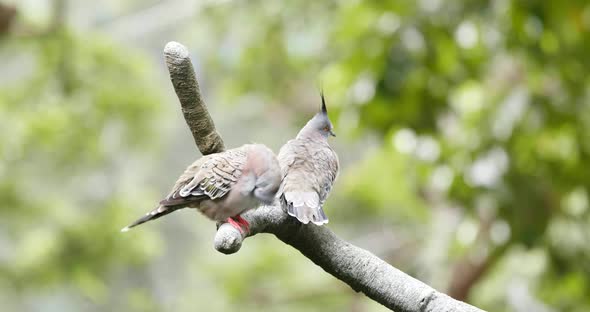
pixel 324 110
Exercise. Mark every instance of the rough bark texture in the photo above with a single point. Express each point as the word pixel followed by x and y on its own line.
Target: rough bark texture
pixel 358 268
pixel 195 112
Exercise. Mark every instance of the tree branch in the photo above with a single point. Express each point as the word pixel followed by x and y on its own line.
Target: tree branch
pixel 357 267
pixel 195 112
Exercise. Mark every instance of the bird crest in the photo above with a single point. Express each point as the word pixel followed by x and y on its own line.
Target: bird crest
pixel 324 110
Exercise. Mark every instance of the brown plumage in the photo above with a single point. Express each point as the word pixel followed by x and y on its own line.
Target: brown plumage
pixel 223 185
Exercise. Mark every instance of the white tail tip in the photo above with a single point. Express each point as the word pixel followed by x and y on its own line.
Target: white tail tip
pixel 320 222
pixel 125 229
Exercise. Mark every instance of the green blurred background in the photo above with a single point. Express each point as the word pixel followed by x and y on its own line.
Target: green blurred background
pixel 463 133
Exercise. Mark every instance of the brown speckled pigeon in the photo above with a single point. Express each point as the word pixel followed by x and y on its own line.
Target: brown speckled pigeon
pixel 224 185
pixel 309 167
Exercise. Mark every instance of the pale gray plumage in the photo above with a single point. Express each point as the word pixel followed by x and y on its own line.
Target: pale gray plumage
pixel 309 167
pixel 223 185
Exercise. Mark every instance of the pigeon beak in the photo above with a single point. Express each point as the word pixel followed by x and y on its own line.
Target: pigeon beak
pixel 332 133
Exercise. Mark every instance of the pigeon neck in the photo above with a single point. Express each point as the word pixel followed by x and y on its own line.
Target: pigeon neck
pixel 311 134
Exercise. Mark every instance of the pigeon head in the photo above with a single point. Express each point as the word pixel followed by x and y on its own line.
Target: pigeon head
pixel 320 124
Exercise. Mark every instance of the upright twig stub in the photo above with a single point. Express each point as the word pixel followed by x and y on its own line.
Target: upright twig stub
pixel 195 112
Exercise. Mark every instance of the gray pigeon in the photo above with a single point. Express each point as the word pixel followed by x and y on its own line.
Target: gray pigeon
pixel 224 185
pixel 309 167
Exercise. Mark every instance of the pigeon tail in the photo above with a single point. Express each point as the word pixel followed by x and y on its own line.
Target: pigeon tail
pixel 152 215
pixel 305 207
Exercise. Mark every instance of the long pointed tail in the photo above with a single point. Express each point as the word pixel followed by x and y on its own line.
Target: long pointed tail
pixel 152 215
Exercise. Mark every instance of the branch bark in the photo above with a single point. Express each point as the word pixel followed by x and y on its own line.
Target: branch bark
pixel 358 268
pixel 187 89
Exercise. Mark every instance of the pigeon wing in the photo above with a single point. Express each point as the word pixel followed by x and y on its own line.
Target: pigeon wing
pixel 327 171
pixel 210 177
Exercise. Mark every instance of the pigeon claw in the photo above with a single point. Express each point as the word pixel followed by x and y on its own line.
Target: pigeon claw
pixel 239 223
pixel 243 222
